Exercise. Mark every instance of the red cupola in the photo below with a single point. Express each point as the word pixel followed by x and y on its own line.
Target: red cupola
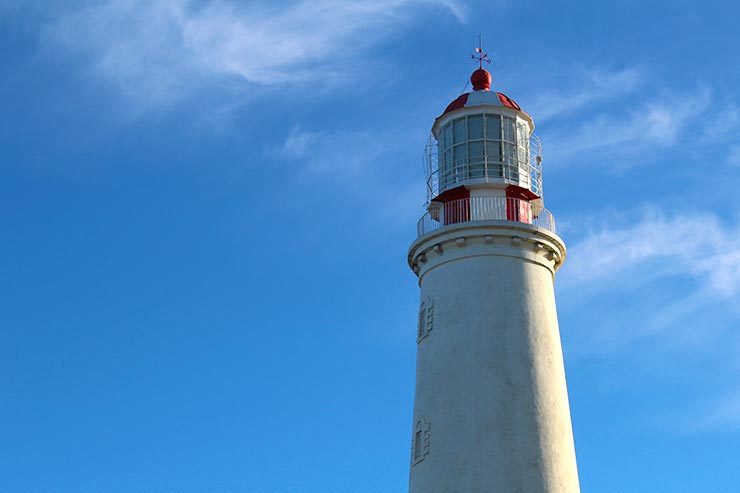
pixel 482 158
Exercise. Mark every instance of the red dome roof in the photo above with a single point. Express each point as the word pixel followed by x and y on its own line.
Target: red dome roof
pixel 482 97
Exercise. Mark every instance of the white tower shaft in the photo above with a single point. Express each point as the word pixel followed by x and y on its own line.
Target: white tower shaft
pixel 491 406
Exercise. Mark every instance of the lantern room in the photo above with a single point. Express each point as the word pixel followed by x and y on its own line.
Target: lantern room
pixel 483 160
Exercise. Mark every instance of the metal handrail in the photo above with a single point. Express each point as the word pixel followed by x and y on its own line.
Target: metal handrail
pixel 526 172
pixel 509 171
pixel 474 209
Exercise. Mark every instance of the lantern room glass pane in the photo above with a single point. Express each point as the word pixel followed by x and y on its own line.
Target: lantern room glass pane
pixel 475 151
pixel 444 177
pixel 484 146
pixel 493 151
pixel 509 153
pixel 460 131
pixel 509 128
pixel 459 156
pixel 475 127
pixel 447 136
pixel 493 127
pixel 476 158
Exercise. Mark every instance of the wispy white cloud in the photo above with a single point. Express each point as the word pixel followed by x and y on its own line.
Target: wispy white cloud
pixel 684 266
pixel 723 125
pixel 723 414
pixel 298 144
pixel 623 118
pixel 158 51
pixel 341 153
pixel 733 155
pixel 660 292
pixel 697 245
pixel 636 132
pixel 368 172
pixel 590 86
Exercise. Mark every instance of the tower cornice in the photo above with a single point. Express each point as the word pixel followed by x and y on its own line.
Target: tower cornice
pixel 486 238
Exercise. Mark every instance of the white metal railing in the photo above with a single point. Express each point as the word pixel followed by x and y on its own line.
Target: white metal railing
pixel 483 209
pixel 514 168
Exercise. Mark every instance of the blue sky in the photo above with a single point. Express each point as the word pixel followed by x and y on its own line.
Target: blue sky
pixel 206 207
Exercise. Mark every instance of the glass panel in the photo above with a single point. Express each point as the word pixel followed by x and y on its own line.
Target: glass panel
pixel 509 129
pixel 459 156
pixel 447 136
pixel 460 134
pixel 493 151
pixel 444 175
pixel 493 127
pixel 511 170
pixel 476 159
pixel 475 127
pixel 509 152
pixel 444 169
pixel 477 170
pixel 475 151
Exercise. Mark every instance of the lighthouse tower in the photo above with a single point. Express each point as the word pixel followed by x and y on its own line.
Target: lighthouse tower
pixel 491 405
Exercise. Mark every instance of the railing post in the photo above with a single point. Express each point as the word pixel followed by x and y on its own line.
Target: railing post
pixel 468 209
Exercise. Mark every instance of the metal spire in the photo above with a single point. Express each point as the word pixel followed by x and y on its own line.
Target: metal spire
pixel 479 55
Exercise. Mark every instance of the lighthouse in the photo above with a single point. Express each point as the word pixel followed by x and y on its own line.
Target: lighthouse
pixel 491 409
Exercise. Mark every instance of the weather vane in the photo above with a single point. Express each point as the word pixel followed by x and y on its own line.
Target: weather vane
pixel 479 56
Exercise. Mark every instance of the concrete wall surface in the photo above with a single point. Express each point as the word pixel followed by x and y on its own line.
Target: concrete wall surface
pixel 491 406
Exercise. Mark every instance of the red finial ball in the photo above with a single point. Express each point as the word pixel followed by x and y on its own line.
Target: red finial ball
pixel 481 80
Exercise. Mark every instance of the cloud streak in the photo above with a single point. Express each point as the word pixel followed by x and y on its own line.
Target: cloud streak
pixel 592 86
pixel 623 118
pixel 354 162
pixel 635 133
pixel 157 51
pixel 733 156
pixel 724 415
pixel 698 245
pixel 349 153
pixel 658 290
